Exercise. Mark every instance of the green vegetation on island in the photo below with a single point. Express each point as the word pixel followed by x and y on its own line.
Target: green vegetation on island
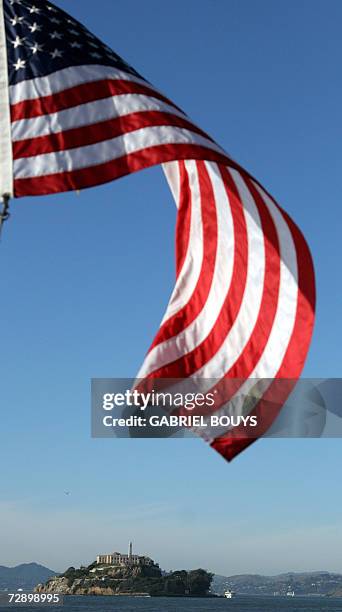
pixel 134 580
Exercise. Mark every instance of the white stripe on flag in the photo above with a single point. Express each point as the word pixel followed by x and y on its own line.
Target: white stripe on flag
pixel 88 114
pixel 68 77
pixel 190 272
pixel 242 328
pixel 93 155
pixel 188 339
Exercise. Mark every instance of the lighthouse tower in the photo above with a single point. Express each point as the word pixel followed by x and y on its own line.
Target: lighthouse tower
pixel 130 550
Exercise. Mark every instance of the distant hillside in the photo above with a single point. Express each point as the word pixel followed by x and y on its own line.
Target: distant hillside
pixel 24 576
pixel 308 583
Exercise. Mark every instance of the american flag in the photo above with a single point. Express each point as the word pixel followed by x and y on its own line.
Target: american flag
pixel 73 115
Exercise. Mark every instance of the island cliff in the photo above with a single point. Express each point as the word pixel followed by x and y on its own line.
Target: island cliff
pixel 111 580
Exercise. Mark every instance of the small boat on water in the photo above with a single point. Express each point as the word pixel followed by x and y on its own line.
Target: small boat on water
pixel 229 594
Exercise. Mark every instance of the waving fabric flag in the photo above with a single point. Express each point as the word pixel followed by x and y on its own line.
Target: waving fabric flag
pixel 74 114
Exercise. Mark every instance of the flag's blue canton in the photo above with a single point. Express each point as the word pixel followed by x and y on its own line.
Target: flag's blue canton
pixel 42 39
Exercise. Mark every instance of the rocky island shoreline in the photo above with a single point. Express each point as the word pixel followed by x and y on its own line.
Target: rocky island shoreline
pixel 129 580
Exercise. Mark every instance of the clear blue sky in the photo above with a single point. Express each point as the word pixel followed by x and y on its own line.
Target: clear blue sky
pixel 85 280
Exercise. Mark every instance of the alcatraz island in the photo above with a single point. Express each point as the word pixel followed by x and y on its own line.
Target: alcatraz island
pixel 128 574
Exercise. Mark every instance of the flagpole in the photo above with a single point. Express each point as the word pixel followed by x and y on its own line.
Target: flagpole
pixel 4 214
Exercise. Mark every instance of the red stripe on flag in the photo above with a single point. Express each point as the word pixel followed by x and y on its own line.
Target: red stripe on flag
pixel 81 94
pixel 109 171
pixel 292 365
pixel 192 361
pixel 98 132
pixel 184 317
pixel 253 350
pixel 183 219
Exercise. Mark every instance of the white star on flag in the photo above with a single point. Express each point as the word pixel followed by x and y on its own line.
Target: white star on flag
pixel 36 48
pixel 18 42
pixel 56 53
pixel 35 27
pixel 16 20
pixel 56 35
pixel 20 64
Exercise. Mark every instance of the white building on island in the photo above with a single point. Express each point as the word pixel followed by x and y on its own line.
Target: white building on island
pixel 120 559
